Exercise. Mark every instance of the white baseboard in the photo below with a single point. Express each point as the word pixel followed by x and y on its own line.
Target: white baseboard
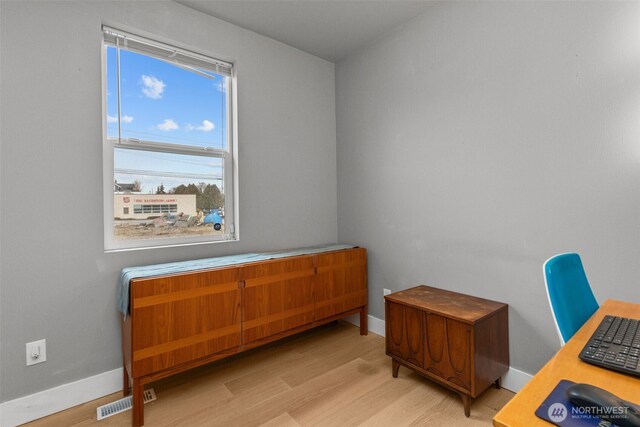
pixel 375 325
pixel 47 402
pixel 513 380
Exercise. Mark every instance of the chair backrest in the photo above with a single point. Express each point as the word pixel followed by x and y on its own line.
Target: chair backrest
pixel 570 296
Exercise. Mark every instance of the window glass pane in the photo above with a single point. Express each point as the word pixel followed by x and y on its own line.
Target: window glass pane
pixel 163 102
pixel 112 93
pixel 171 194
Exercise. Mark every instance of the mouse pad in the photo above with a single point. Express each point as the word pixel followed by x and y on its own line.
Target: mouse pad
pixel 557 409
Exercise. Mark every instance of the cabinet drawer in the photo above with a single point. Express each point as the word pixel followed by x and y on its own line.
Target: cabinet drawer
pixel 405 332
pixel 278 296
pixel 448 349
pixel 181 318
pixel 341 282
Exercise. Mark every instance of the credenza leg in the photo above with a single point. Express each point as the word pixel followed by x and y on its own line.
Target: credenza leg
pixel 395 366
pixel 364 321
pixel 466 402
pixel 125 382
pixel 138 403
pixel 498 383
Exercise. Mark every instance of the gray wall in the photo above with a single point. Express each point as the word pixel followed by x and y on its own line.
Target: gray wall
pixel 56 281
pixel 479 139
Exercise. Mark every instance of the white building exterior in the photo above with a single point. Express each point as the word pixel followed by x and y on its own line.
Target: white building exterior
pixel 143 206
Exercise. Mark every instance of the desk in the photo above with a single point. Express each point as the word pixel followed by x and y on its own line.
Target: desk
pixel 520 411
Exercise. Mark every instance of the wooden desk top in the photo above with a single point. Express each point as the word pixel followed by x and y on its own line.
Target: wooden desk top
pixel 465 308
pixel 520 411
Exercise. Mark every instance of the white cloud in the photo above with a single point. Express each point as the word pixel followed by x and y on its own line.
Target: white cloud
pixel 153 87
pixel 114 119
pixel 206 126
pixel 221 84
pixel 168 125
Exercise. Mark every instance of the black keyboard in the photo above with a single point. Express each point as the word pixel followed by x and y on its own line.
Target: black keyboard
pixel 615 345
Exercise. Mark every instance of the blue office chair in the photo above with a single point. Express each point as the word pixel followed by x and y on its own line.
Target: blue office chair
pixel 570 296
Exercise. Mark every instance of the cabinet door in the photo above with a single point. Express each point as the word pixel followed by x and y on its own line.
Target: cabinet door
pixel 341 282
pixel 405 333
pixel 448 352
pixel 177 319
pixel 278 296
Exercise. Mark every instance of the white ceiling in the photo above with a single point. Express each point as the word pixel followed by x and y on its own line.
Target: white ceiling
pixel 327 29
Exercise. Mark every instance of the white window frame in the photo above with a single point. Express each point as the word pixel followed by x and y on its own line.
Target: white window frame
pixel 229 156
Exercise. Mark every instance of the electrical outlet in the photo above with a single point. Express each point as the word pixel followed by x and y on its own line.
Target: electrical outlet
pixel 36 352
pixel 385 292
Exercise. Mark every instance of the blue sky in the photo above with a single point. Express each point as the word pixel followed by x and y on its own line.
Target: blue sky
pixel 165 103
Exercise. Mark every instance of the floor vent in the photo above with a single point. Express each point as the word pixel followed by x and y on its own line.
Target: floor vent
pixel 122 405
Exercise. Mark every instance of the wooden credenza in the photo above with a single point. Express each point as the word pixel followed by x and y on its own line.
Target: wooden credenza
pixel 181 321
pixel 456 340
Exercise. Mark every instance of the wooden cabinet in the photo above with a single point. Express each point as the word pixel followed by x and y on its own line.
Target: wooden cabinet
pixel 181 321
pixel 456 340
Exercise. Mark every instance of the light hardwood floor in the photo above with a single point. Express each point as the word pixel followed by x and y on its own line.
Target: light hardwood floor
pixel 330 376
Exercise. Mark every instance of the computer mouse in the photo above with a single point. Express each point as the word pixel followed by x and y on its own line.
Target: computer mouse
pixel 604 405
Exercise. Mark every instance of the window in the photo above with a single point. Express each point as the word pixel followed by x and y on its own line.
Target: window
pixel 138 209
pixel 169 146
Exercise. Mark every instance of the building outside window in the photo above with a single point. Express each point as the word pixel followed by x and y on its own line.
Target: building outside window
pixel 169 145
